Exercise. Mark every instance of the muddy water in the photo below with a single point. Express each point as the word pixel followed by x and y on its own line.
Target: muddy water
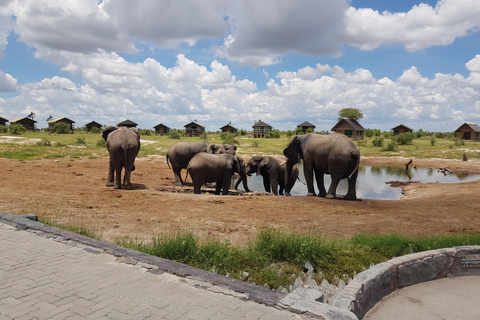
pixel 372 182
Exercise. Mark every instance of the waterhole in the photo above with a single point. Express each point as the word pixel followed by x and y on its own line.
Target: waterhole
pixel 374 181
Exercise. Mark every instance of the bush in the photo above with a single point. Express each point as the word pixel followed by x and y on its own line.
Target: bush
pixel 404 138
pixel 81 141
pixel 44 142
pixel 243 132
pixel 204 136
pixel 227 138
pixel 274 134
pixel 3 129
pixel 391 146
pixel 174 134
pixel 432 140
pixel 62 127
pixel 16 128
pixel 95 130
pixel 101 143
pixel 145 132
pixel 378 142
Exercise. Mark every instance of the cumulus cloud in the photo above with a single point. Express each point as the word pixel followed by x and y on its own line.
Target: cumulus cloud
pixel 421 27
pixel 212 95
pixel 7 82
pixel 263 32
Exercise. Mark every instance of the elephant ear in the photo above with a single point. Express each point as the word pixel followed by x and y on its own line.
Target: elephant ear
pixel 292 151
pixel 135 130
pixel 264 162
pixel 239 163
pixel 107 131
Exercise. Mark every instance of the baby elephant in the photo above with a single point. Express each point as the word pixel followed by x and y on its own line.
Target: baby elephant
pixel 219 168
pixel 123 145
pixel 273 172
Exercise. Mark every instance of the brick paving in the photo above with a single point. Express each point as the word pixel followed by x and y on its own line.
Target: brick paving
pixel 42 277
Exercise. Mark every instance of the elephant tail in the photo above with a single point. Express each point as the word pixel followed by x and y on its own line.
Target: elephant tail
pixel 356 168
pixel 168 163
pixel 186 176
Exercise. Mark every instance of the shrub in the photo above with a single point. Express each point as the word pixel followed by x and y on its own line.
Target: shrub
pixel 81 141
pixel 16 128
pixel 145 132
pixel 227 138
pixel 95 130
pixel 101 143
pixel 44 142
pixel 62 127
pixel 204 136
pixel 3 129
pixel 243 132
pixel 174 134
pixel 404 138
pixel 391 146
pixel 274 134
pixel 432 140
pixel 378 142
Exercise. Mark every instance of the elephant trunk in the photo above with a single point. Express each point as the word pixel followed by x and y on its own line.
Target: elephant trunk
pixel 288 174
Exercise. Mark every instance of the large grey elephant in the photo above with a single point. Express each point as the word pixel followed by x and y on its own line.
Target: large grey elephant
pixel 180 154
pixel 273 172
pixel 123 145
pixel 333 154
pixel 218 168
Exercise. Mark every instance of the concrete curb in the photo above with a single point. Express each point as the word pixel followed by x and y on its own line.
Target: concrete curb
pixel 370 286
pixel 309 307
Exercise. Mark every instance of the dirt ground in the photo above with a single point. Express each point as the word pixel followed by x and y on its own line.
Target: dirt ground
pixel 73 191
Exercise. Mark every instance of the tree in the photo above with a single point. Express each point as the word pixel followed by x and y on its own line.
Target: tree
pixel 350 113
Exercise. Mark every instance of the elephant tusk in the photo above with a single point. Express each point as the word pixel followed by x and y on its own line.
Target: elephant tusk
pixel 281 164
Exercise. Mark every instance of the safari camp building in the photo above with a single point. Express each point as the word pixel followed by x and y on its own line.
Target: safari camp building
pixel 52 123
pixel 350 128
pixel 27 122
pixel 260 129
pixel 194 129
pixel 3 121
pixel 305 126
pixel 469 131
pixel 89 126
pixel 401 129
pixel 161 129
pixel 127 123
pixel 229 128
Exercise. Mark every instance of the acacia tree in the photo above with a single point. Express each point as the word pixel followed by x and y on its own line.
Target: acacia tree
pixel 350 113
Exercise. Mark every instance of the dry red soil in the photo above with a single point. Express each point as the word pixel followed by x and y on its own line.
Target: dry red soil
pixel 73 191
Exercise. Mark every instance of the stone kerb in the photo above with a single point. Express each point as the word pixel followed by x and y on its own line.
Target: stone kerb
pixel 370 286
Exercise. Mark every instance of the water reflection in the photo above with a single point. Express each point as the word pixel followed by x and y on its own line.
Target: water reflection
pixel 371 182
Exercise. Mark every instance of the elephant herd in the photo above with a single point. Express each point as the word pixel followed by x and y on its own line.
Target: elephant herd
pixel 333 154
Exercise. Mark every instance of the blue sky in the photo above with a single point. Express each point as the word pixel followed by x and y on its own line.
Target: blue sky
pixel 284 62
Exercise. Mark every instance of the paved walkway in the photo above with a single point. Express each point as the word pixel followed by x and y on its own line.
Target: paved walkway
pixel 43 278
pixel 448 298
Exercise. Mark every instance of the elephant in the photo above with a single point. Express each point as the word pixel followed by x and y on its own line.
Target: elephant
pixel 123 145
pixel 273 173
pixel 333 154
pixel 219 168
pixel 182 152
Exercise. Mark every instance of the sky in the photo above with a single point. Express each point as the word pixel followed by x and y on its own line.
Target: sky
pixel 216 62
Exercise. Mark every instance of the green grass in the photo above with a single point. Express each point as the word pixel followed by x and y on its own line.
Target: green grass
pixel 81 144
pixel 73 228
pixel 277 257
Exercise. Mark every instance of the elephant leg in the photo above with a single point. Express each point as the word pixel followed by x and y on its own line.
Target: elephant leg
pixel 118 178
pixel 282 187
pixel 308 171
pixel 126 180
pixel 266 183
pixel 333 187
pixel 218 187
pixel 226 184
pixel 178 177
pixel 197 186
pixel 320 183
pixel 352 189
pixel 111 175
pixel 274 184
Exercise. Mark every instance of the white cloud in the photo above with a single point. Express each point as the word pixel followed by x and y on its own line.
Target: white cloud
pixel 421 27
pixel 7 82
